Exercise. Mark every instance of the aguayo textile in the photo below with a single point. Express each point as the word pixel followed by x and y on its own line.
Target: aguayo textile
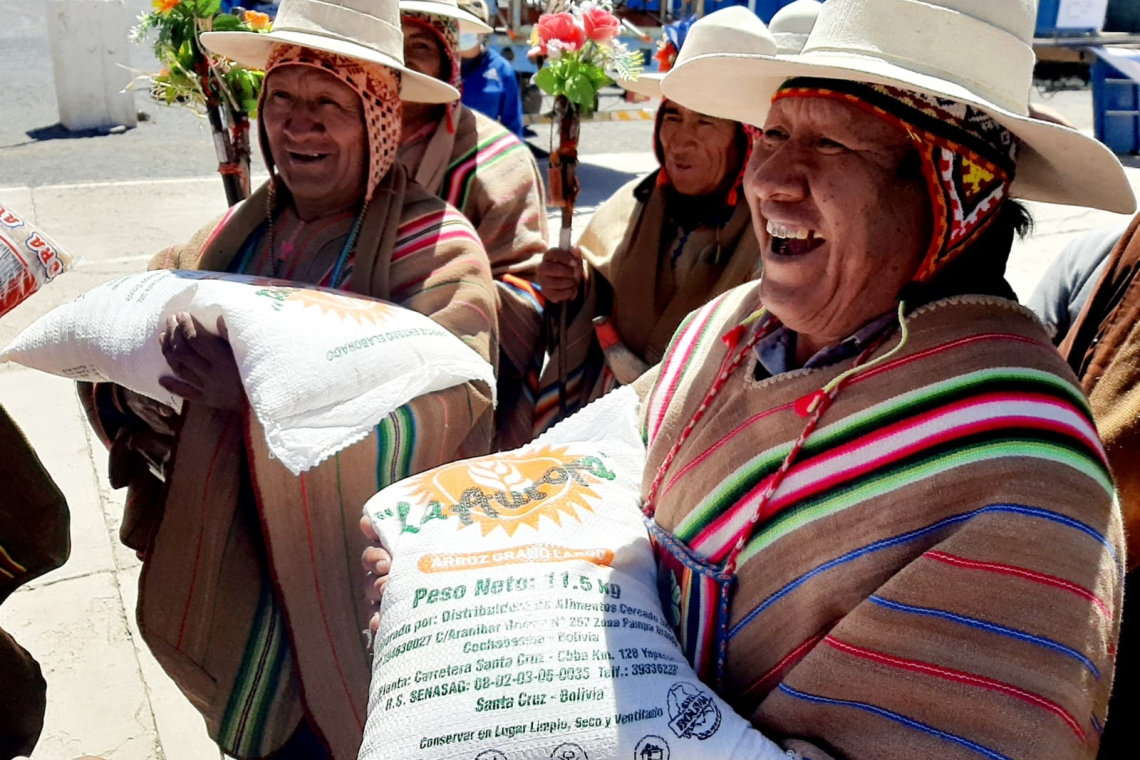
pixel 968 159
pixel 491 177
pixel 250 594
pixel 647 274
pixel 939 572
pixel 34 539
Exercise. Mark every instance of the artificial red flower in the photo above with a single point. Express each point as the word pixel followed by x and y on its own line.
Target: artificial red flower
pixel 561 27
pixel 601 25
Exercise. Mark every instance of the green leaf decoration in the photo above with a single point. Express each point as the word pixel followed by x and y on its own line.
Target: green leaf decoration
pixel 207 8
pixel 547 81
pixel 581 90
pixel 227 23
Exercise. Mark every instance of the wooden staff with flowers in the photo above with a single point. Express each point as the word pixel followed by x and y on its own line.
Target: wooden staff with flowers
pixel 192 77
pixel 582 55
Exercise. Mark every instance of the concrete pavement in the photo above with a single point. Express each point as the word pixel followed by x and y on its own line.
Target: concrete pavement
pixel 107 696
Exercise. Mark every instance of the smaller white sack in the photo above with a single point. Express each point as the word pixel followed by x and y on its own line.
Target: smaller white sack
pixel 521 620
pixel 320 368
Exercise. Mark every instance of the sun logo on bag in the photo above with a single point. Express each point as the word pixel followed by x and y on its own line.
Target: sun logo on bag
pixel 346 307
pixel 514 489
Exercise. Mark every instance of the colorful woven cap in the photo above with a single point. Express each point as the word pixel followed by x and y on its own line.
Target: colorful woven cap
pixel 468 22
pixel 975 52
pixel 734 29
pixel 368 30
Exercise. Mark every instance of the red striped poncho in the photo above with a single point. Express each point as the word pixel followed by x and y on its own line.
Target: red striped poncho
pixel 939 575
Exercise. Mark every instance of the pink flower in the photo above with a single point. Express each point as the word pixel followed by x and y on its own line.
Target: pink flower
pixel 601 25
pixel 561 27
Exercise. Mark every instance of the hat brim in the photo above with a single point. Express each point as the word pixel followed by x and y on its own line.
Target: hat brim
pixel 648 84
pixel 251 49
pixel 1056 165
pixel 468 22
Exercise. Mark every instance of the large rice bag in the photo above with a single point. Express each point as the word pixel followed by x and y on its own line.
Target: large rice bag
pixel 28 260
pixel 521 620
pixel 320 368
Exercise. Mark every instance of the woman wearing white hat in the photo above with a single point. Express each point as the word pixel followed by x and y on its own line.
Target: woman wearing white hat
pixel 477 165
pixel 659 247
pixel 884 518
pixel 248 592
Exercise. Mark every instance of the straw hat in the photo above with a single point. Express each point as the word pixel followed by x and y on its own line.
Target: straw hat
pixel 468 22
pixel 977 52
pixel 734 29
pixel 368 30
pixel 793 23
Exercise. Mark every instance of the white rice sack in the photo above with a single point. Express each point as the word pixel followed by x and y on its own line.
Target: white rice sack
pixel 320 368
pixel 521 620
pixel 28 260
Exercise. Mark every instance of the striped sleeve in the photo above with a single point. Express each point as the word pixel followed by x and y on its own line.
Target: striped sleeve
pixel 497 186
pixel 439 269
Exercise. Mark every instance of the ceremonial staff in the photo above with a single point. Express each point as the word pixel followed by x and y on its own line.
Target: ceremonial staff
pixel 226 93
pixel 578 42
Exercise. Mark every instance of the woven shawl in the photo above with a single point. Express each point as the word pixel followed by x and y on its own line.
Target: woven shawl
pixel 212 572
pixel 487 173
pixel 625 247
pixel 941 574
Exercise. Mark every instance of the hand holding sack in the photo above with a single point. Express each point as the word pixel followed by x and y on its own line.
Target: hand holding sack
pixel 319 368
pixel 522 620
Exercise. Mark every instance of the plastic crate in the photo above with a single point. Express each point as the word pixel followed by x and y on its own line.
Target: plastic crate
pixel 1116 108
pixel 1051 24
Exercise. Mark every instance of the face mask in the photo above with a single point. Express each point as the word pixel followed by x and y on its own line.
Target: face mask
pixel 468 40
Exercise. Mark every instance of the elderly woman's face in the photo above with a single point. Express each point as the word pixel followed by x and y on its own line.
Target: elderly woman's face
pixel 842 223
pixel 700 151
pixel 315 126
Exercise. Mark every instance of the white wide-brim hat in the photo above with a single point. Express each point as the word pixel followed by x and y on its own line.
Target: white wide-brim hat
pixel 793 23
pixel 734 29
pixel 468 22
pixel 368 30
pixel 977 52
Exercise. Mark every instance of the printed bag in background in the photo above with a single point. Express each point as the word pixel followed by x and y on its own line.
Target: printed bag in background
pixel 28 260
pixel 521 620
pixel 320 368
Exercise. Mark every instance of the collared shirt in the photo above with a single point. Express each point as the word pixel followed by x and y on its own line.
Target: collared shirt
pixel 776 352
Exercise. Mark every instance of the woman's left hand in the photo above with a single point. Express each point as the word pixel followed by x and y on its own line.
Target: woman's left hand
pixel 203 363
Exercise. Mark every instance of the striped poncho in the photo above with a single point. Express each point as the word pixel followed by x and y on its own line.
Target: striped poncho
pixel 250 594
pixel 490 175
pixel 939 575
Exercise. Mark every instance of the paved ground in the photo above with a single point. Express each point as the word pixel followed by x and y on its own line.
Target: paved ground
pixel 115 200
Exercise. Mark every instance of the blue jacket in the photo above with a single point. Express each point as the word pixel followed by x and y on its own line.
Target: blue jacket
pixel 491 88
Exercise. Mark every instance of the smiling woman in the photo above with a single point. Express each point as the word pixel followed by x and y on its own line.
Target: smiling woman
pixel 275 667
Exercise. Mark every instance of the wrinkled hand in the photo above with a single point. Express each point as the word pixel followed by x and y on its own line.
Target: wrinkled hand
pixel 377 563
pixel 202 362
pixel 560 274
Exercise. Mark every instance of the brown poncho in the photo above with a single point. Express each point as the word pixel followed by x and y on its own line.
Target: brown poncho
pixel 491 177
pixel 251 589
